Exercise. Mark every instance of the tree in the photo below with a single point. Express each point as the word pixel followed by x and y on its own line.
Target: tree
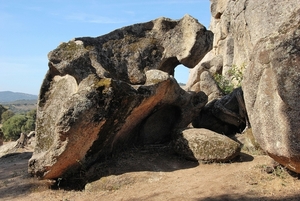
pixel 6 115
pixel 32 114
pixel 12 128
pixel 19 123
pixel 2 109
pixel 15 125
pixel 29 125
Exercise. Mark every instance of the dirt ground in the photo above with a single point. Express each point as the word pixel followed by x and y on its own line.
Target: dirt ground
pixel 155 173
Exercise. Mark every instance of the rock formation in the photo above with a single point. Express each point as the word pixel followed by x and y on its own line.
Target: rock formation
pixel 204 145
pixel 272 92
pixel 237 27
pixel 102 94
pixel 263 36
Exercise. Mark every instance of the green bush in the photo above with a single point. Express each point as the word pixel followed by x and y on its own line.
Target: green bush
pixel 224 83
pixel 14 126
pixel 233 79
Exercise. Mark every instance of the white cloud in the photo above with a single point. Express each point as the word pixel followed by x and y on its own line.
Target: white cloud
pixel 128 12
pixel 87 18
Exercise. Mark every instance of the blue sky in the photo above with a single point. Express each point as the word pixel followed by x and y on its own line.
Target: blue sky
pixel 31 29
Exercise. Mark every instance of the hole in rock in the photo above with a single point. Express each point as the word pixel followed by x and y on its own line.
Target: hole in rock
pixel 218 15
pixel 181 74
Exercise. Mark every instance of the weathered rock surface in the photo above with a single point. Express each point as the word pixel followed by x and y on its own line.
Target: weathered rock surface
pixel 263 36
pixel 237 27
pixel 272 92
pixel 249 143
pixel 205 146
pixel 201 77
pixel 99 94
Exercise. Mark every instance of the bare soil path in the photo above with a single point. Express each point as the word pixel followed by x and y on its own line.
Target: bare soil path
pixel 156 174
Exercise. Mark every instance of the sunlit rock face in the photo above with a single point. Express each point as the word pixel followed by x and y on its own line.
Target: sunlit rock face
pixel 105 93
pixel 272 93
pixel 263 36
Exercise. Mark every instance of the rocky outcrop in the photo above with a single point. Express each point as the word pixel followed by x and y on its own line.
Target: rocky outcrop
pixel 201 77
pixel 237 27
pixel 102 94
pixel 272 92
pixel 204 145
pixel 262 36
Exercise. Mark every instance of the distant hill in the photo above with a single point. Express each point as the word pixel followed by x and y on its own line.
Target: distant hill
pixel 9 96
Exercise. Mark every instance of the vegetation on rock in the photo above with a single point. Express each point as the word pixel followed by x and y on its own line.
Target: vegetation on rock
pixel 231 80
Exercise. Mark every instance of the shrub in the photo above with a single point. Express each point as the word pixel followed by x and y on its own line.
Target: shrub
pixel 233 79
pixel 224 83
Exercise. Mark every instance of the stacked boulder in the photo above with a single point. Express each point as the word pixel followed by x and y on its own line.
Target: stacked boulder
pixel 102 94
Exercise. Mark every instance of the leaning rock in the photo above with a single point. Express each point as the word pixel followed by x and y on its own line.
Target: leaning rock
pixel 99 92
pixel 205 146
pixel 272 93
pixel 226 115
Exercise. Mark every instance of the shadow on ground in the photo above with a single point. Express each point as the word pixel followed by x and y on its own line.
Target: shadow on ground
pixel 13 170
pixel 152 158
pixel 234 197
pixel 248 198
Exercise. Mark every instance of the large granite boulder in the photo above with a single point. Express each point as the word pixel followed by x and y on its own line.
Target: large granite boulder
pixel 99 94
pixel 262 36
pixel 272 93
pixel 203 145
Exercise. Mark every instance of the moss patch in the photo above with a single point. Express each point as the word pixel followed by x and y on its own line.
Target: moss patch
pixel 68 50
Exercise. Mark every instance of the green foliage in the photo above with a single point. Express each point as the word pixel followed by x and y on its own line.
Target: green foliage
pixel 232 80
pixel 31 114
pixel 6 115
pixel 224 84
pixel 15 125
pixel 2 109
